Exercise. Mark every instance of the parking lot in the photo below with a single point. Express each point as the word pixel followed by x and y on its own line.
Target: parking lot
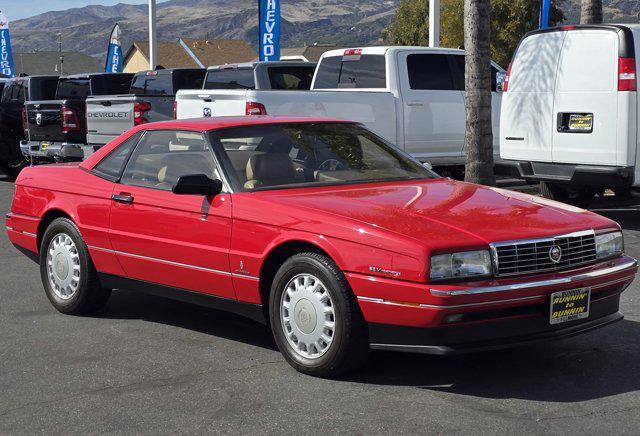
pixel 151 365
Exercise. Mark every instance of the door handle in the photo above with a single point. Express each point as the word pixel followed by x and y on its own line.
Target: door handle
pixel 415 103
pixel 122 198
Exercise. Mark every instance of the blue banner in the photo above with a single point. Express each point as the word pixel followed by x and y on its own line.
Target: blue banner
pixel 115 62
pixel 6 56
pixel 269 30
pixel 544 14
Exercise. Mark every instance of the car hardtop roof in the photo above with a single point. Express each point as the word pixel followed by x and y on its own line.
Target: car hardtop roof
pixel 267 63
pixel 207 124
pixel 381 50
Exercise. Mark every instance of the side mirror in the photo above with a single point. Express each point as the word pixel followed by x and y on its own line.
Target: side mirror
pixel 500 79
pixel 197 184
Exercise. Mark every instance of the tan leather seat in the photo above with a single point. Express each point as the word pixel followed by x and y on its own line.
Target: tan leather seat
pixel 176 165
pixel 269 170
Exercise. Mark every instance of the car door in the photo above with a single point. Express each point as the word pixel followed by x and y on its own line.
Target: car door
pixel 527 120
pixel 181 241
pixel 586 110
pixel 434 114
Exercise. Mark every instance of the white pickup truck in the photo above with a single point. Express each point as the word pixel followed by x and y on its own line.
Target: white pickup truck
pixel 411 96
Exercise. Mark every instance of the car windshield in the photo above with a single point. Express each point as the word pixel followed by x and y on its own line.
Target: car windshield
pixel 308 154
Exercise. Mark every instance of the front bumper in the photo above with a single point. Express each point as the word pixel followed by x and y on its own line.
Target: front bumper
pixel 494 314
pixel 586 175
pixel 51 151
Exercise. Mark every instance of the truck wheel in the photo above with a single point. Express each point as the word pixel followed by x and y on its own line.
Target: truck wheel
pixel 70 280
pixel 315 318
pixel 575 195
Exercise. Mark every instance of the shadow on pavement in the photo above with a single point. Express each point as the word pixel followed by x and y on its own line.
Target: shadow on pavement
pixel 134 305
pixel 596 365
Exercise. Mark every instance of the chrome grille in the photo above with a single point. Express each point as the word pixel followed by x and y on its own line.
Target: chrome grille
pixel 531 256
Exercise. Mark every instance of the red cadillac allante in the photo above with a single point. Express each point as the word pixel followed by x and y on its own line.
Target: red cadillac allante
pixel 336 239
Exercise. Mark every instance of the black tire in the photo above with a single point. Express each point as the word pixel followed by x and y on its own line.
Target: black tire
pixel 349 348
pixel 575 195
pixel 89 296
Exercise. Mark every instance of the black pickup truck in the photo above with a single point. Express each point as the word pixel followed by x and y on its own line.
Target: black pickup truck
pixel 57 129
pixel 14 94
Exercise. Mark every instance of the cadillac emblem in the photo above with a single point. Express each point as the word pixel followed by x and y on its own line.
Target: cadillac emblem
pixel 555 254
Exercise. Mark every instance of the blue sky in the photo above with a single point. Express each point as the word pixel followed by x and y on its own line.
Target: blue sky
pixel 27 8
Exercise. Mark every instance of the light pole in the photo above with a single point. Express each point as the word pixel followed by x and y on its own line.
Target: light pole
pixel 434 23
pixel 153 43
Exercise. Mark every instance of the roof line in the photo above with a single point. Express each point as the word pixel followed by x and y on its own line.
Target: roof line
pixel 190 53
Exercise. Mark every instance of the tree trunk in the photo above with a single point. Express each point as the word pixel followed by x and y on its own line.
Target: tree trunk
pixel 591 12
pixel 478 137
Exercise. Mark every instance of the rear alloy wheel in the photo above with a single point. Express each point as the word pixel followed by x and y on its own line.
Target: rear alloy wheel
pixel 315 318
pixel 70 280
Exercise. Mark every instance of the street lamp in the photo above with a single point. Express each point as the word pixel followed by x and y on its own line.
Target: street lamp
pixel 434 23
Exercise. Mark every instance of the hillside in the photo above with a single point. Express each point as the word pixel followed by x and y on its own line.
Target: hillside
pixel 86 29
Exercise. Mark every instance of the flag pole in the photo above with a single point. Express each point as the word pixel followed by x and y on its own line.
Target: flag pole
pixel 153 43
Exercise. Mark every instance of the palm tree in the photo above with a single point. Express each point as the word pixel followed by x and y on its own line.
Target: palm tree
pixel 591 12
pixel 478 137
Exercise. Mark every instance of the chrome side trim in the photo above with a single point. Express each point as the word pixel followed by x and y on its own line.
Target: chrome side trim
pixel 33 235
pixel 536 284
pixel 170 262
pixel 9 228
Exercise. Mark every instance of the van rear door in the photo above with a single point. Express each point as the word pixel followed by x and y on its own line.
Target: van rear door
pixel 527 118
pixel 587 118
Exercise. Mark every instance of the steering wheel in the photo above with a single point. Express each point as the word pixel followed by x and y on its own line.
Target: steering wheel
pixel 332 165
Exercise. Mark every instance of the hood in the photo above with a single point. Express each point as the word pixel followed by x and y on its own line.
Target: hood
pixel 443 212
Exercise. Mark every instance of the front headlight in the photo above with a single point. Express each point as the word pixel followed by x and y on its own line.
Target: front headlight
pixel 457 265
pixel 609 244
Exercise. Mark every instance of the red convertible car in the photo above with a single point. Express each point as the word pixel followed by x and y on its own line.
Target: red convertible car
pixel 337 240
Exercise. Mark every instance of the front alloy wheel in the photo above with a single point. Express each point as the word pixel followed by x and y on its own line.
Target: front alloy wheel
pixel 316 320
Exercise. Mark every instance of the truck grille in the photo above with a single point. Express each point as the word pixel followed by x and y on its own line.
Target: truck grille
pixel 532 256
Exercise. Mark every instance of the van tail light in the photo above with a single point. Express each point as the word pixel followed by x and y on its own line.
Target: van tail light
pixel 627 74
pixel 70 121
pixel 175 110
pixel 139 109
pixel 253 108
pixel 505 85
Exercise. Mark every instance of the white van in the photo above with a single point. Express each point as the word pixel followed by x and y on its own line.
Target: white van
pixel 570 111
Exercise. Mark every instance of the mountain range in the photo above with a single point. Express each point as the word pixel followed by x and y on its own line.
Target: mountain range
pixel 344 22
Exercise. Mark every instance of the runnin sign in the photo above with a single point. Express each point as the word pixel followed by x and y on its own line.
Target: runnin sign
pixel 269 30
pixel 6 57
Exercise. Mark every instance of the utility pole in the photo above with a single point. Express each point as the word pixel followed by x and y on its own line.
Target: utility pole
pixel 60 54
pixel 153 42
pixel 434 23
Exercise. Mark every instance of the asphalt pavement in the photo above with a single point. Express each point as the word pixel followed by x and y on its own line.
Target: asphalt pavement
pixel 150 365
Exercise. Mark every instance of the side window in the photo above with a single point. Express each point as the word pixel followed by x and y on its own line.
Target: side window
pixel 458 73
pixel 430 71
pixel 230 79
pixel 162 157
pixel 6 92
pixel 111 166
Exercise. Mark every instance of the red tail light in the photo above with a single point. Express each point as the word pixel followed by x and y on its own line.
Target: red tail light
pixel 353 52
pixel 175 110
pixel 505 85
pixel 254 108
pixel 139 109
pixel 70 121
pixel 627 74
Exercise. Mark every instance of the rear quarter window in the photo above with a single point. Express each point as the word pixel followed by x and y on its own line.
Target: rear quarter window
pixel 111 84
pixel 73 89
pixel 291 78
pixel 242 78
pixel 430 71
pixel 149 84
pixel 364 72
pixel 111 167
